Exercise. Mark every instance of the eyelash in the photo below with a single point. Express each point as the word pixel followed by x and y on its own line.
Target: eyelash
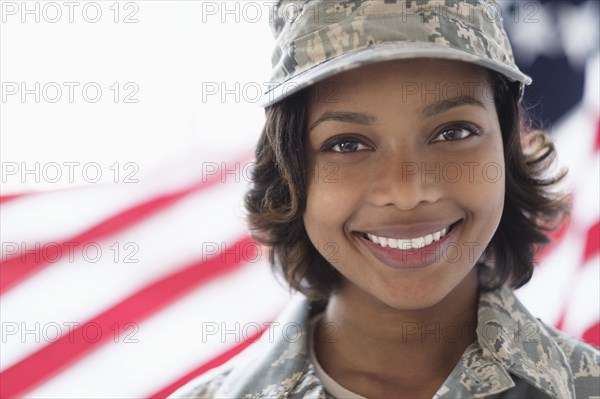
pixel 328 146
pixel 471 128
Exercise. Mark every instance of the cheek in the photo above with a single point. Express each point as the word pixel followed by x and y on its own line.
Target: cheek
pixel 326 199
pixel 482 192
pixel 489 195
pixel 320 218
pixel 493 177
pixel 333 196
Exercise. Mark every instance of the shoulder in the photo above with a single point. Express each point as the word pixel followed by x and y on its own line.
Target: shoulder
pixel 551 361
pixel 205 386
pixel 275 366
pixel 583 360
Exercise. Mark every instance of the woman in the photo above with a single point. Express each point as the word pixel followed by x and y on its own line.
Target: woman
pixel 393 191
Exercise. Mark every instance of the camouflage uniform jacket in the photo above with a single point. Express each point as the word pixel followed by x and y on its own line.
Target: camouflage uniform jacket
pixel 514 356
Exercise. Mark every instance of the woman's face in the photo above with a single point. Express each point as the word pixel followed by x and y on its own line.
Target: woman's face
pixel 397 152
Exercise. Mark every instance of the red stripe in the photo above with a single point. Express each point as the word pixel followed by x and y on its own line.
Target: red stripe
pixel 556 237
pixel 53 358
pixel 560 323
pixel 592 242
pixel 592 335
pixel 597 145
pixel 7 198
pixel 217 361
pixel 17 268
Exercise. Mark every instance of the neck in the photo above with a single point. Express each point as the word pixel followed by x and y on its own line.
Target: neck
pixel 364 343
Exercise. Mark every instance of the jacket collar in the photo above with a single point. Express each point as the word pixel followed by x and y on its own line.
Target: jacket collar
pixel 512 338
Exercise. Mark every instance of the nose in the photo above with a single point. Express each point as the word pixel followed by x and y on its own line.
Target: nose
pixel 406 183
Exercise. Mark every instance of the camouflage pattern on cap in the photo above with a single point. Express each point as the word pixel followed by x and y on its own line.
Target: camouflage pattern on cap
pixel 316 39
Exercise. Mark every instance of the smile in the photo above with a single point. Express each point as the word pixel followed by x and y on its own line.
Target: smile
pixel 411 253
pixel 409 243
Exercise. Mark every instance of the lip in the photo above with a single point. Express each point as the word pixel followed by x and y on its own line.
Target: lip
pixel 412 258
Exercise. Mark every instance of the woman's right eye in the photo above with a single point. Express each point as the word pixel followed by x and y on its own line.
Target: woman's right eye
pixel 344 144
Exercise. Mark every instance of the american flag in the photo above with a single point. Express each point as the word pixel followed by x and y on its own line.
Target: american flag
pixel 129 291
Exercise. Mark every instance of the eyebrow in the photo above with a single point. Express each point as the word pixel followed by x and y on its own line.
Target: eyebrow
pixel 341 116
pixel 367 119
pixel 442 106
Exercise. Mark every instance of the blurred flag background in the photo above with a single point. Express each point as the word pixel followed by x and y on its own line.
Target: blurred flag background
pixel 128 129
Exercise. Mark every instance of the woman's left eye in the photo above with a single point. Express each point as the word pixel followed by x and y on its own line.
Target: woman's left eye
pixel 456 133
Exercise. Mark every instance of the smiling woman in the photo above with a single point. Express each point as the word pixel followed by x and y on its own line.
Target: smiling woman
pixel 375 196
pixel 412 170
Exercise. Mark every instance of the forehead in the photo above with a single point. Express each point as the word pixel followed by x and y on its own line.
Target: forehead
pixel 414 82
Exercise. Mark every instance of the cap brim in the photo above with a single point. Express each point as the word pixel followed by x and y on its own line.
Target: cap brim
pixel 380 53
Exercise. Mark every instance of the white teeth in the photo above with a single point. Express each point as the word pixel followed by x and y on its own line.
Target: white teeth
pixel 413 243
pixel 404 244
pixel 373 238
pixel 428 239
pixel 418 242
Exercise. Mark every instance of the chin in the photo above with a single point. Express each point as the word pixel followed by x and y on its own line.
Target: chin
pixel 411 301
pixel 426 293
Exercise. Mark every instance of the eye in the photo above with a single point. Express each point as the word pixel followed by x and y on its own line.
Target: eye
pixel 458 132
pixel 344 144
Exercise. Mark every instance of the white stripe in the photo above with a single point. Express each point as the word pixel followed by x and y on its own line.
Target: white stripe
pixel 586 210
pixel 545 294
pixel 72 292
pixel 583 308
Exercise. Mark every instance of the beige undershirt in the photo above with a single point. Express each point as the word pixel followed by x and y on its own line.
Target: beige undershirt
pixel 331 386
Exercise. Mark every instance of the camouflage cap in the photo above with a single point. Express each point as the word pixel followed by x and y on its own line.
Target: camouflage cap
pixel 316 39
